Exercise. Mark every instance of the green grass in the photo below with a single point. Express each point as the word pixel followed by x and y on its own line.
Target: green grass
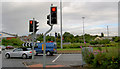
pixel 70 49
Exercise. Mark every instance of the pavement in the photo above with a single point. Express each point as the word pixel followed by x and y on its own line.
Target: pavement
pixel 0 60
pixel 41 65
pixel 58 60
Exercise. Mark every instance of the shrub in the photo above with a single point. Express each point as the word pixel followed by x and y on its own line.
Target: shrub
pixel 99 58
pixel 73 45
pixel 58 44
pixel 88 56
pixel 93 42
pixel 105 41
pixel 102 60
pixel 99 48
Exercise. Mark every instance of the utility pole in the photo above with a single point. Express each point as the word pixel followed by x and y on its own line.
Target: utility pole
pixel 61 22
pixel 83 29
pixel 107 32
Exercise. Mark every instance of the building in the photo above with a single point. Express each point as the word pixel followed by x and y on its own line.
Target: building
pixel 9 38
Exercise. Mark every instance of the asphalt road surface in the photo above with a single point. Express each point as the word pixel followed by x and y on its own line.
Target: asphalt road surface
pixel 57 59
pixel 69 59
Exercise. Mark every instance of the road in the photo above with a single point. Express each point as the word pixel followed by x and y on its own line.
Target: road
pixel 57 59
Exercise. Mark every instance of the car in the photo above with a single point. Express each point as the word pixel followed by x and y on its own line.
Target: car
pixel 20 52
pixel 3 47
pixel 0 50
pixel 9 47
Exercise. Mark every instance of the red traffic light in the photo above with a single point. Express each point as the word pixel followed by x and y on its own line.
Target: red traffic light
pixel 31 22
pixel 53 9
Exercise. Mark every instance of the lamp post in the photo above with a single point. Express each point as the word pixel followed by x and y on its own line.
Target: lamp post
pixel 107 32
pixel 61 22
pixel 83 29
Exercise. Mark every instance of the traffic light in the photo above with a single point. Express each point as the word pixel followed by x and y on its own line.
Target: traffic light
pixel 53 15
pixel 55 35
pixel 35 30
pixel 48 21
pixel 31 26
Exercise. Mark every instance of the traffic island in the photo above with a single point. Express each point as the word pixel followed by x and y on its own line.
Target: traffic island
pixel 52 66
pixel 33 65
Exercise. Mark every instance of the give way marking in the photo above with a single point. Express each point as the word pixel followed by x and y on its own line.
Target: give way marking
pixel 56 57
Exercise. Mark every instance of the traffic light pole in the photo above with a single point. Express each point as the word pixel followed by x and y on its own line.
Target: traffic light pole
pixel 44 51
pixel 55 39
pixel 33 38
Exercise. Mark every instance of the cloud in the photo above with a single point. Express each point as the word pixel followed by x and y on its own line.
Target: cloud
pixel 0 16
pixel 59 0
pixel 16 15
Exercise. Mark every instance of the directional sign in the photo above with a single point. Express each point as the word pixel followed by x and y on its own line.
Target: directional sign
pixel 23 44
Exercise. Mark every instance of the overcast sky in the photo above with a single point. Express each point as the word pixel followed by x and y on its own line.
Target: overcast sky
pixel 15 17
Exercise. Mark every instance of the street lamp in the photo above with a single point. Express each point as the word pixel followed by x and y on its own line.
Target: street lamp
pixel 61 22
pixel 83 29
pixel 107 32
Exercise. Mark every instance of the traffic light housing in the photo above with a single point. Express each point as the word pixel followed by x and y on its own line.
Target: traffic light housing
pixel 53 15
pixel 35 30
pixel 48 21
pixel 31 26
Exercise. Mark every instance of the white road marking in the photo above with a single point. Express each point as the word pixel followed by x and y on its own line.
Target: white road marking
pixel 56 57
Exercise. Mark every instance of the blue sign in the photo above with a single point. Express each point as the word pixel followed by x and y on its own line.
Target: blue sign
pixel 0 34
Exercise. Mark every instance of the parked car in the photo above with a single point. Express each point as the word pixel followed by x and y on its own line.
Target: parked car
pixel 3 47
pixel 9 47
pixel 0 50
pixel 20 52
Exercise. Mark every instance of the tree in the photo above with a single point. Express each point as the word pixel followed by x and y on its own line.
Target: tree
pixel 59 36
pixel 68 37
pixel 50 38
pixel 116 39
pixel 12 42
pixel 102 35
pixel 4 42
pixel 40 38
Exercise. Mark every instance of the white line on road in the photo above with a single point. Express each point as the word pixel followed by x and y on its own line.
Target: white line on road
pixel 56 57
